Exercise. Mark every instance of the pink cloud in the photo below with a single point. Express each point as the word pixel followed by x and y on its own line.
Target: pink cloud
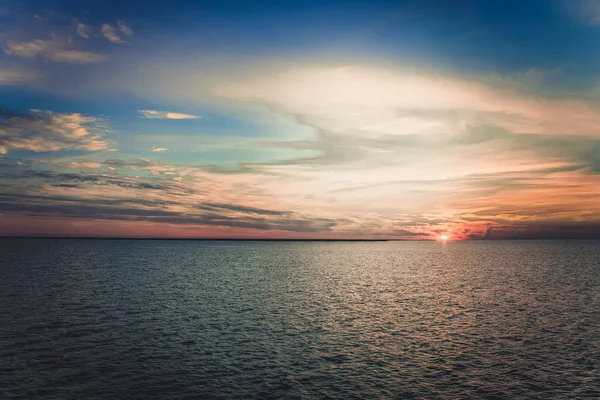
pixel 85 164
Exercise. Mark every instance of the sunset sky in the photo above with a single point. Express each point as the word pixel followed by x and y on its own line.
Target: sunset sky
pixel 308 119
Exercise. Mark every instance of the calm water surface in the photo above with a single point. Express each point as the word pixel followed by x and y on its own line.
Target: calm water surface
pixel 257 320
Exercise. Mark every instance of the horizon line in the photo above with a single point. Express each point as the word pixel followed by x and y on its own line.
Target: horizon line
pixel 233 239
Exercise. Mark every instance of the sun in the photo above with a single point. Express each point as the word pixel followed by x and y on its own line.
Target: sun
pixel 443 237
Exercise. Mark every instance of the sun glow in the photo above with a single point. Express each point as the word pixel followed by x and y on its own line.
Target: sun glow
pixel 444 237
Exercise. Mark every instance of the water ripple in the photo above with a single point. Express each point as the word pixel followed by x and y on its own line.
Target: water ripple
pixel 253 320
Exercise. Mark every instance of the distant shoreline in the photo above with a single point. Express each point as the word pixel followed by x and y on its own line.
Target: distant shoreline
pixel 210 239
pixel 289 240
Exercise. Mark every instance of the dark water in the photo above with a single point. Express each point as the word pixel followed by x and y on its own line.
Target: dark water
pixel 256 320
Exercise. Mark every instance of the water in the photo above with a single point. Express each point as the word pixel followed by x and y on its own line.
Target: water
pixel 258 320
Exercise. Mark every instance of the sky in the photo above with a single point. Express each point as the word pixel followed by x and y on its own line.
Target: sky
pixel 475 119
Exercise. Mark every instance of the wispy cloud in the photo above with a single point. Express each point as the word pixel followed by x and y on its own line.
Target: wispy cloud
pixel 240 208
pixel 155 199
pixel 401 166
pixel 166 115
pixel 124 28
pixel 77 208
pixel 112 33
pixel 370 102
pixel 106 30
pixel 16 74
pixel 55 49
pixel 154 168
pixel 84 164
pixel 83 30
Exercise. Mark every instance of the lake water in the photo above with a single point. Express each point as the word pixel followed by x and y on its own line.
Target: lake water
pixel 258 320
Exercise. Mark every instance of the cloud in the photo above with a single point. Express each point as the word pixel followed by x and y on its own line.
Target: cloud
pixel 77 208
pixel 381 152
pixel 399 140
pixel 111 33
pixel 124 28
pixel 540 231
pixel 54 49
pixel 81 57
pixel 14 75
pixel 85 164
pixel 374 101
pixel 236 201
pixel 443 151
pixel 83 30
pixel 84 180
pixel 133 164
pixel 166 115
pixel 41 131
pixel 106 30
pixel 243 209
pixel 154 168
pixel 67 202
pixel 118 197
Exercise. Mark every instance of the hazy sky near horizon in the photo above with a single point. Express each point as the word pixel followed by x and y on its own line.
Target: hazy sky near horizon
pixel 312 119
